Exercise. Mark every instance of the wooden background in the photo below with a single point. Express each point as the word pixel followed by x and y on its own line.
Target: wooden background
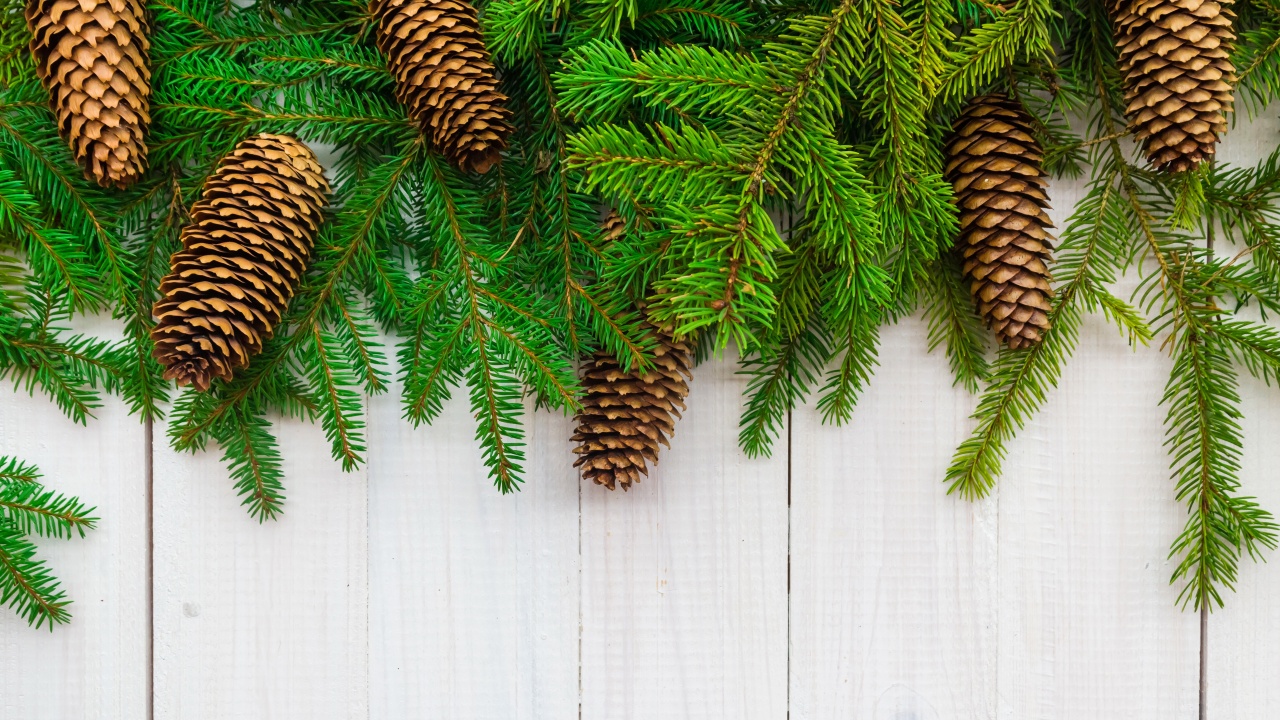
pixel 835 580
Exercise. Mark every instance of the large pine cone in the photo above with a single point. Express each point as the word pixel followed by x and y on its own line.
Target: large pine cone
pixel 993 162
pixel 625 416
pixel 91 55
pixel 1175 58
pixel 444 78
pixel 243 255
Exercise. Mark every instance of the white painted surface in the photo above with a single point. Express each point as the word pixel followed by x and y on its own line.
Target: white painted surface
pixel 684 577
pixel 1243 653
pixel 893 611
pixel 474 596
pixel 94 668
pixel 260 621
pixel 834 581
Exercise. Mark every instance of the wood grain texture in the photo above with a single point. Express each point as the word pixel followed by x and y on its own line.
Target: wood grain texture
pixel 1243 649
pixel 266 620
pixel 96 667
pixel 684 611
pixel 1088 625
pixel 893 585
pixel 474 600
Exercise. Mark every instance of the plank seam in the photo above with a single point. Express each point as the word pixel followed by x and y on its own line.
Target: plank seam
pixel 788 665
pixel 149 469
pixel 581 591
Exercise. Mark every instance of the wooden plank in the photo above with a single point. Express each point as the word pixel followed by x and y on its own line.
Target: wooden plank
pixel 684 577
pixel 96 667
pixel 260 620
pixel 1088 624
pixel 1243 648
pixel 474 596
pixel 893 610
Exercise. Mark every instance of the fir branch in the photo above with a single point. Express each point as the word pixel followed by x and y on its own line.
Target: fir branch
pixel 27 508
pixel 779 380
pixel 953 323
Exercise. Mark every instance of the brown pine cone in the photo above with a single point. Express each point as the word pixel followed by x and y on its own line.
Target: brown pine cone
pixel 993 163
pixel 243 256
pixel 625 415
pixel 443 76
pixel 613 226
pixel 1175 56
pixel 91 56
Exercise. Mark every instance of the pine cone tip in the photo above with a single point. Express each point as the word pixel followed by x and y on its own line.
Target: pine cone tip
pixel 626 416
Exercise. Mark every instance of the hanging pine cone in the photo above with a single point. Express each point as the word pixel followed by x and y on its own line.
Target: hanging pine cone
pixel 91 56
pixel 993 162
pixel 626 415
pixel 1175 59
pixel 243 256
pixel 444 78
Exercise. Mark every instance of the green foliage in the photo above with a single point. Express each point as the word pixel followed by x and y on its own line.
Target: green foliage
pixel 779 171
pixel 27 508
pixel 1134 221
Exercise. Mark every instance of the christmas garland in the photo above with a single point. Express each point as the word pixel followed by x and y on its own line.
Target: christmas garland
pixel 788 177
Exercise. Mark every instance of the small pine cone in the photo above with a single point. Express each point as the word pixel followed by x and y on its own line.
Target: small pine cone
pixel 1178 77
pixel 993 162
pixel 444 77
pixel 613 226
pixel 243 255
pixel 91 56
pixel 626 415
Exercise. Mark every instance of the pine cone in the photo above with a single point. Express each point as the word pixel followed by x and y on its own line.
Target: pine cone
pixel 91 56
pixel 626 415
pixel 243 256
pixel 613 226
pixel 993 162
pixel 444 78
pixel 1175 58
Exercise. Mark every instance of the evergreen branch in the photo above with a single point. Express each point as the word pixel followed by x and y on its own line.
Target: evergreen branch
pixel 16 472
pixel 34 510
pixel 1021 31
pixel 1204 441
pixel 1020 379
pixel 780 380
pixel 949 314
pixel 26 583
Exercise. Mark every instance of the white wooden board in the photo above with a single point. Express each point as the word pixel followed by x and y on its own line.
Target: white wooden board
pixel 1088 625
pixel 96 667
pixel 1243 649
pixel 78 670
pixel 474 600
pixel 268 620
pixel 684 577
pixel 893 584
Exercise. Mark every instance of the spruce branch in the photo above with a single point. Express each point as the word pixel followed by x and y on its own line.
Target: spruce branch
pixel 27 508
